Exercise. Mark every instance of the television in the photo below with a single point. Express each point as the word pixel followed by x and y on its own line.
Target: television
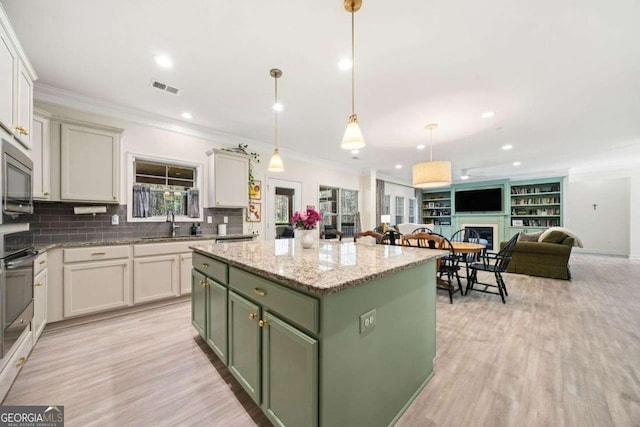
pixel 486 200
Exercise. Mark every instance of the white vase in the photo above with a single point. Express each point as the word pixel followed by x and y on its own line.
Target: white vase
pixel 307 239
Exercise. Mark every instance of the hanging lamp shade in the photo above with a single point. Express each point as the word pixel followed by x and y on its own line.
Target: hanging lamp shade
pixel 353 139
pixel 432 174
pixel 275 165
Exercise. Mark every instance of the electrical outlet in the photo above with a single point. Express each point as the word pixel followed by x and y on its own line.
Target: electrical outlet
pixel 209 219
pixel 225 219
pixel 115 220
pixel 367 321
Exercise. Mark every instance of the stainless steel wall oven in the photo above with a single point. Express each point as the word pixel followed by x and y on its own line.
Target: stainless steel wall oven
pixel 17 195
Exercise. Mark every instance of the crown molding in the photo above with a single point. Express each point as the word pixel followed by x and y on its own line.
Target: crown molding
pixel 5 23
pixel 76 101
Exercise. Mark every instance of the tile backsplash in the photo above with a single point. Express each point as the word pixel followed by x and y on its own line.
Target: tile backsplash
pixel 55 222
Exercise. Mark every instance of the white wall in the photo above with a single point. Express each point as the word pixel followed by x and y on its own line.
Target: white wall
pixel 614 227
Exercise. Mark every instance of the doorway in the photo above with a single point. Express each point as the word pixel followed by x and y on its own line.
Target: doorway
pixel 283 199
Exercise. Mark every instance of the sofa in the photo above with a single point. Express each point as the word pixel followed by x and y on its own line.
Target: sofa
pixel 548 258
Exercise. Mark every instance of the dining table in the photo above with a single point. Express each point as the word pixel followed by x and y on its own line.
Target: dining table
pixel 467 248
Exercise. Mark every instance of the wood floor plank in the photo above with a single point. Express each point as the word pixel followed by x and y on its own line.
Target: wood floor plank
pixel 558 353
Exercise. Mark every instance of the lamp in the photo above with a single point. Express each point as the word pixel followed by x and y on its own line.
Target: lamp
pixel 385 219
pixel 275 165
pixel 353 139
pixel 431 174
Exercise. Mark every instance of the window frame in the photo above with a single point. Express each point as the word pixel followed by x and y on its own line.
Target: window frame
pixel 412 211
pixel 199 180
pixel 399 206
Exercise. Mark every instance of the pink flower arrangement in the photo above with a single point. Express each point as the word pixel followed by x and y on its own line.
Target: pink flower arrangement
pixel 306 219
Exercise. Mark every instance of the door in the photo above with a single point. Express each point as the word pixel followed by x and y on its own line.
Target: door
pixel 244 344
pixel 25 106
pixel 290 366
pixel 185 273
pixel 217 318
pixel 7 64
pixel 292 188
pixel 40 157
pixel 199 302
pixel 39 304
pixel 231 180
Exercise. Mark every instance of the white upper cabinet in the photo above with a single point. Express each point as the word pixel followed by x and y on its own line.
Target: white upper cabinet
pixel 7 74
pixel 228 180
pixel 40 149
pixel 16 85
pixel 89 163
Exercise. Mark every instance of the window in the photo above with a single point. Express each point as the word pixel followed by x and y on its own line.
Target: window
pixel 399 210
pixel 412 211
pixel 386 208
pixel 284 205
pixel 338 208
pixel 166 187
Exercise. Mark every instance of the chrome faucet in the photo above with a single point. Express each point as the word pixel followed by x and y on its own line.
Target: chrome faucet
pixel 171 217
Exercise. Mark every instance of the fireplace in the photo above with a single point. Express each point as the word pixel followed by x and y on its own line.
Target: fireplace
pixel 489 232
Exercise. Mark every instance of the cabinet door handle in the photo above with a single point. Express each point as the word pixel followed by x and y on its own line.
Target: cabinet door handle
pixel 38 284
pixel 98 253
pixel 252 316
pixel 203 283
pixel 46 193
pixel 205 265
pixel 22 130
pixel 260 292
pixel 262 323
pixel 21 362
pixel 114 198
pixel 42 262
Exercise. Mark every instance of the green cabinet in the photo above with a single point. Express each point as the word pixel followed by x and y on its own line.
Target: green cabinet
pixel 209 312
pixel 290 374
pixel 244 344
pixel 275 363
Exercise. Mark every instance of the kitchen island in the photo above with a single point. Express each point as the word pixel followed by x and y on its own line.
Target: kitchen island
pixel 338 335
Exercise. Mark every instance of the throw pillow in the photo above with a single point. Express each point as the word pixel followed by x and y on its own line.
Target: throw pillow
pixel 576 241
pixel 556 236
pixel 531 237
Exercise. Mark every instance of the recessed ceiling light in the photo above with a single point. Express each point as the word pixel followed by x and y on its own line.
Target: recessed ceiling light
pixel 464 177
pixel 278 106
pixel 355 151
pixel 420 147
pixel 398 166
pixel 164 61
pixel 487 114
pixel 345 64
pixel 516 163
pixel 186 115
pixel 507 147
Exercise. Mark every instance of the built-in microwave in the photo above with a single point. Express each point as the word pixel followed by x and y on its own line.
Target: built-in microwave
pixel 17 195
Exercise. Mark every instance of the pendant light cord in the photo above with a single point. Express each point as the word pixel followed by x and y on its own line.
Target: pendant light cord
pixel 276 111
pixel 353 61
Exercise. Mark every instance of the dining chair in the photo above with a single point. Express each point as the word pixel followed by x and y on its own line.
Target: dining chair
pixel 391 237
pixel 495 263
pixel 446 266
pixel 331 234
pixel 422 230
pixel 467 235
pixel 368 233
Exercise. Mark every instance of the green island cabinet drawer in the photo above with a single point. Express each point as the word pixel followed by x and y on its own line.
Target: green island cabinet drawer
pixel 210 267
pixel 295 306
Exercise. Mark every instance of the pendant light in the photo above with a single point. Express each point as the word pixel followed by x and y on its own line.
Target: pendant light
pixel 431 174
pixel 275 165
pixel 353 139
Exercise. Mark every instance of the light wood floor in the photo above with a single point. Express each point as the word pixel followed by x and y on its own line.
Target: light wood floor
pixel 557 354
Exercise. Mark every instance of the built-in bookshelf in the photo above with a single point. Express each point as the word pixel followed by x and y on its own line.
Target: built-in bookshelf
pixel 436 207
pixel 536 205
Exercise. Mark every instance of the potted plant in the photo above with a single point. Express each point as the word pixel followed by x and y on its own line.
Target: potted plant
pixel 306 221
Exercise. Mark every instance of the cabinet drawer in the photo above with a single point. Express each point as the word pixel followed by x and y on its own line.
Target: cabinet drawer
pixel 95 253
pixel 210 267
pixel 14 364
pixel 295 306
pixel 40 263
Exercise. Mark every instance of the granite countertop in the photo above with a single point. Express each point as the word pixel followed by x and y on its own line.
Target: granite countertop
pixel 139 240
pixel 326 269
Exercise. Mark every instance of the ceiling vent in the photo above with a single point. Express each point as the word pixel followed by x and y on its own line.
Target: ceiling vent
pixel 164 87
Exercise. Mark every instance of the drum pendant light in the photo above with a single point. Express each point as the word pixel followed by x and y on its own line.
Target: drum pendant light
pixel 432 174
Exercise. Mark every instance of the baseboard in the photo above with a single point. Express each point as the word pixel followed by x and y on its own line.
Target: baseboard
pixel 67 323
pixel 411 399
pixel 601 252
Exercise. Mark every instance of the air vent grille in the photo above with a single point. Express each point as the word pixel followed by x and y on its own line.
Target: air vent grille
pixel 164 87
